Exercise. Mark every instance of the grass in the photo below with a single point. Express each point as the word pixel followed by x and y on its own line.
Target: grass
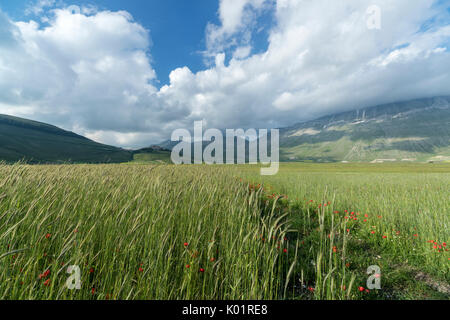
pixel 352 216
pixel 155 157
pixel 136 232
pixel 224 232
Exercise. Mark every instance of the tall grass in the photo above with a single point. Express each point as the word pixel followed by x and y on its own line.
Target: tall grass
pixel 350 217
pixel 136 232
pixel 224 232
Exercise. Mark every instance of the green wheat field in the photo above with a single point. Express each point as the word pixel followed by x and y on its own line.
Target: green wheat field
pixel 140 231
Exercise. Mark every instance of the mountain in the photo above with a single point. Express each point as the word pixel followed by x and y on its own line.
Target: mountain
pixel 37 142
pixel 417 130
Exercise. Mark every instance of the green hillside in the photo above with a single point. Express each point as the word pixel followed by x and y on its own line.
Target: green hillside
pixel 154 154
pixel 37 142
pixel 410 131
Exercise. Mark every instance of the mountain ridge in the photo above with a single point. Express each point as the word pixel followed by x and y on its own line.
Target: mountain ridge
pixel 414 130
pixel 37 142
pixel 417 129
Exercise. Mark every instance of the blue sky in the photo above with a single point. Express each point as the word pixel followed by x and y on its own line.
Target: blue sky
pixel 128 73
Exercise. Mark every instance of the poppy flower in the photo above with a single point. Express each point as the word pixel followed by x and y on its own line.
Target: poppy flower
pixel 47 282
pixel 361 289
pixel 202 270
pixel 188 266
pixel 44 275
pixel 186 244
pixel 311 289
pixel 93 290
pixel 48 235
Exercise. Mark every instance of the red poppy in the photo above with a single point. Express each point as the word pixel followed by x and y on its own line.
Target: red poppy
pixel 91 270
pixel 188 266
pixel 202 270
pixel 47 282
pixel 141 270
pixel 48 235
pixel 361 289
pixel 45 274
pixel 93 290
pixel 311 289
pixel 186 244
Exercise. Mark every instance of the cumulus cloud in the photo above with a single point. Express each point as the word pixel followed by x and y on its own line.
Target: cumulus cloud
pixel 92 71
pixel 238 18
pixel 323 58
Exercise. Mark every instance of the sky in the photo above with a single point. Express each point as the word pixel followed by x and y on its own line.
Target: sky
pixel 128 73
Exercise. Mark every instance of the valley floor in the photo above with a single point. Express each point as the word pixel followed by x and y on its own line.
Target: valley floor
pixel 139 231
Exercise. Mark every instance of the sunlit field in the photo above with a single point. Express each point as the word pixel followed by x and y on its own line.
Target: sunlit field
pixel 141 231
pixel 348 217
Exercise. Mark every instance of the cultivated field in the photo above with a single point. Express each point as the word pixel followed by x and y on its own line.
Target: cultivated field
pixel 224 232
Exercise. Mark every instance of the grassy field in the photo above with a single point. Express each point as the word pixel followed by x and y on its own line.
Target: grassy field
pixel 352 216
pixel 224 232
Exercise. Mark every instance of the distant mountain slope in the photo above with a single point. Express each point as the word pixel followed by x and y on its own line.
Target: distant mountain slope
pixel 37 142
pixel 417 130
pixel 154 154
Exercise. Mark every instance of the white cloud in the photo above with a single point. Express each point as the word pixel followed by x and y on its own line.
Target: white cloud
pixel 237 19
pixel 39 7
pixel 322 58
pixel 91 72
